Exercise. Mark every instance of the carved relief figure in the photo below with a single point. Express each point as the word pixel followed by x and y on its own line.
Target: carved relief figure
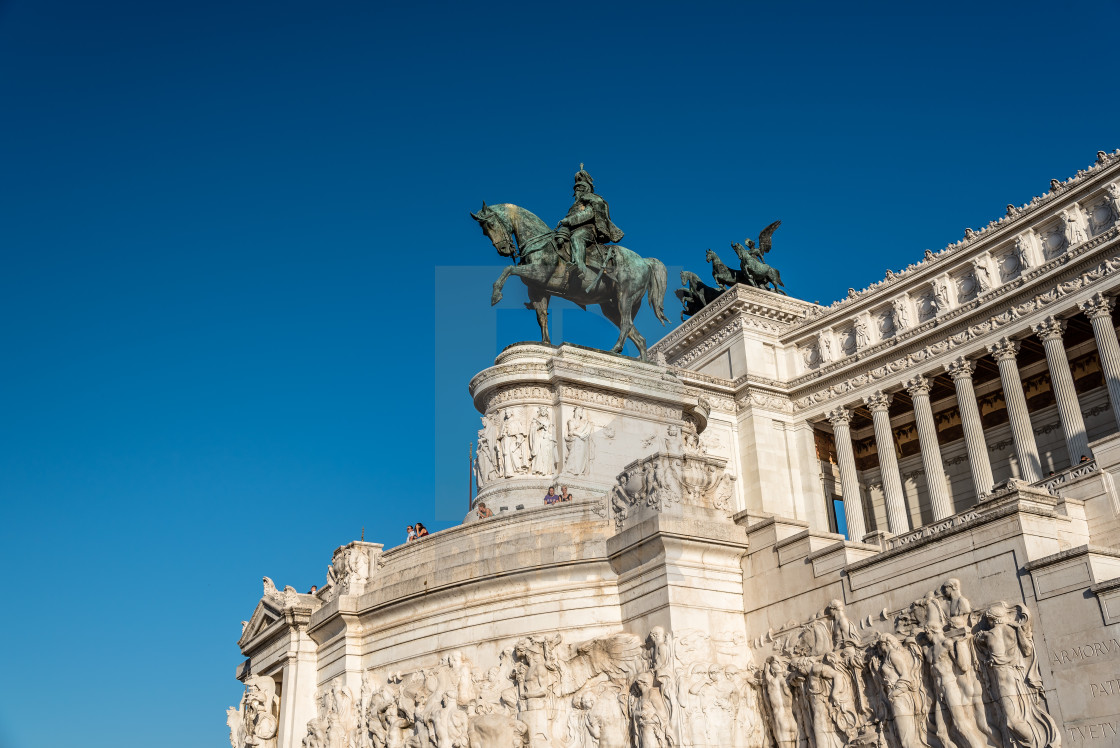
pixel 901 313
pixel 578 442
pixel 899 670
pixel 1008 648
pixel 779 699
pixel 1022 253
pixel 862 332
pixel 650 727
pixel 982 274
pixel 487 461
pixel 513 444
pixel 1071 225
pixel 542 444
pixel 604 719
pixel 255 721
pixel 956 702
pixel 1112 198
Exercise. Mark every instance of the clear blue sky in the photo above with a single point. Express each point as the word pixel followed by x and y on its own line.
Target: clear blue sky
pixel 241 296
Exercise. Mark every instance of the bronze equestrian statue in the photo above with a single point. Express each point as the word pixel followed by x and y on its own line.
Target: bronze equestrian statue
pixel 575 263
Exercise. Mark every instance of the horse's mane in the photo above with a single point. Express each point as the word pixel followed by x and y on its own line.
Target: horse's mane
pixel 531 225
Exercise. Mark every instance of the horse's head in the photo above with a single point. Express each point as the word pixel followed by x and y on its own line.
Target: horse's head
pixel 689 279
pixel 710 256
pixel 495 228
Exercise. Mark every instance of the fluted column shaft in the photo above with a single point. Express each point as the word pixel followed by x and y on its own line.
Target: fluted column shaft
pixel 1004 352
pixel 918 387
pixel 979 464
pixel 849 480
pixel 897 520
pixel 1099 311
pixel 1050 331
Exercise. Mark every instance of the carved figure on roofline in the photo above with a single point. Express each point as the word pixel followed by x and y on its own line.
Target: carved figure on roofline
pixel 1112 192
pixel 573 262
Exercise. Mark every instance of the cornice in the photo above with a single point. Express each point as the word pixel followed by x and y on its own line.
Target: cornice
pixel 1025 216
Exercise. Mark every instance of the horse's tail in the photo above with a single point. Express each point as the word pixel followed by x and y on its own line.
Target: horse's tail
pixel 778 277
pixel 655 287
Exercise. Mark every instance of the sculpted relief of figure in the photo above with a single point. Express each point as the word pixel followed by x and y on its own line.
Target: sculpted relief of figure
pixel 487 461
pixel 513 444
pixel 542 444
pixel 578 442
pixel 255 721
pixel 1007 643
pixel 948 677
pixel 1071 226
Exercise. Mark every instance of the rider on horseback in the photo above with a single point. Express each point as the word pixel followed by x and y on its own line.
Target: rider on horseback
pixel 588 221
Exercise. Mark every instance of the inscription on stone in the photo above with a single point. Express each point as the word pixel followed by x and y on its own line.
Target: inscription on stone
pixel 1099 731
pixel 1086 651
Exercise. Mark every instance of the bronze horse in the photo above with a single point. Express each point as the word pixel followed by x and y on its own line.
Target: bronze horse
pixel 618 290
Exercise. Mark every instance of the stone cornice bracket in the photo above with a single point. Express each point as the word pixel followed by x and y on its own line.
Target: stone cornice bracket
pixel 1004 348
pixel 1051 328
pixel 917 385
pixel 959 367
pixel 839 415
pixel 1097 306
pixel 877 400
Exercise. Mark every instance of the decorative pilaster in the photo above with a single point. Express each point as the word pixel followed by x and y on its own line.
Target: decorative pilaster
pixel 878 402
pixel 961 372
pixel 841 419
pixel 918 387
pixel 1005 351
pixel 1050 331
pixel 1098 309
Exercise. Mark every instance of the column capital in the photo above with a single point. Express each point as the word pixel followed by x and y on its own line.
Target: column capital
pixel 917 385
pixel 1097 306
pixel 1004 349
pixel 960 368
pixel 839 416
pixel 878 401
pixel 1050 328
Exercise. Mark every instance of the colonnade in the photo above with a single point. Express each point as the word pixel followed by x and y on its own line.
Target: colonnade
pixel 1005 351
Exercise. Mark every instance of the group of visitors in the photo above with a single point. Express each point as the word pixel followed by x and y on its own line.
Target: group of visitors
pixel 417 532
pixel 555 498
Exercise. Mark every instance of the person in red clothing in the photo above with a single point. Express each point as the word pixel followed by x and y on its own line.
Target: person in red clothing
pixel 421 531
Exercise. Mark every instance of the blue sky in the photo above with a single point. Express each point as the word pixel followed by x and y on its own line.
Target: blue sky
pixel 241 296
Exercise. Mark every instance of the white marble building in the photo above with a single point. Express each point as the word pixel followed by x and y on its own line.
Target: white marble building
pixel 958 419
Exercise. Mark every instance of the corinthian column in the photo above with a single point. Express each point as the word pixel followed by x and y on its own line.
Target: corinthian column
pixel 1004 352
pixel 1099 311
pixel 877 403
pixel 961 372
pixel 1050 332
pixel 841 420
pixel 918 387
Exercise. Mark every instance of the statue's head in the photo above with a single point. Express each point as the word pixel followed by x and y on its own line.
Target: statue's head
pixel 583 183
pixel 495 230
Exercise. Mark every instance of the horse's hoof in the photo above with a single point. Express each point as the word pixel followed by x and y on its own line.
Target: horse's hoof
pixel 495 298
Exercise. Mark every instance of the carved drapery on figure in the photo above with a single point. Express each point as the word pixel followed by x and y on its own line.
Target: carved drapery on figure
pixel 255 721
pixel 946 676
pixel 580 454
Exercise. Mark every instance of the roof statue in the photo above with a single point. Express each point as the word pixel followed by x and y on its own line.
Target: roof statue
pixel 753 271
pixel 577 261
